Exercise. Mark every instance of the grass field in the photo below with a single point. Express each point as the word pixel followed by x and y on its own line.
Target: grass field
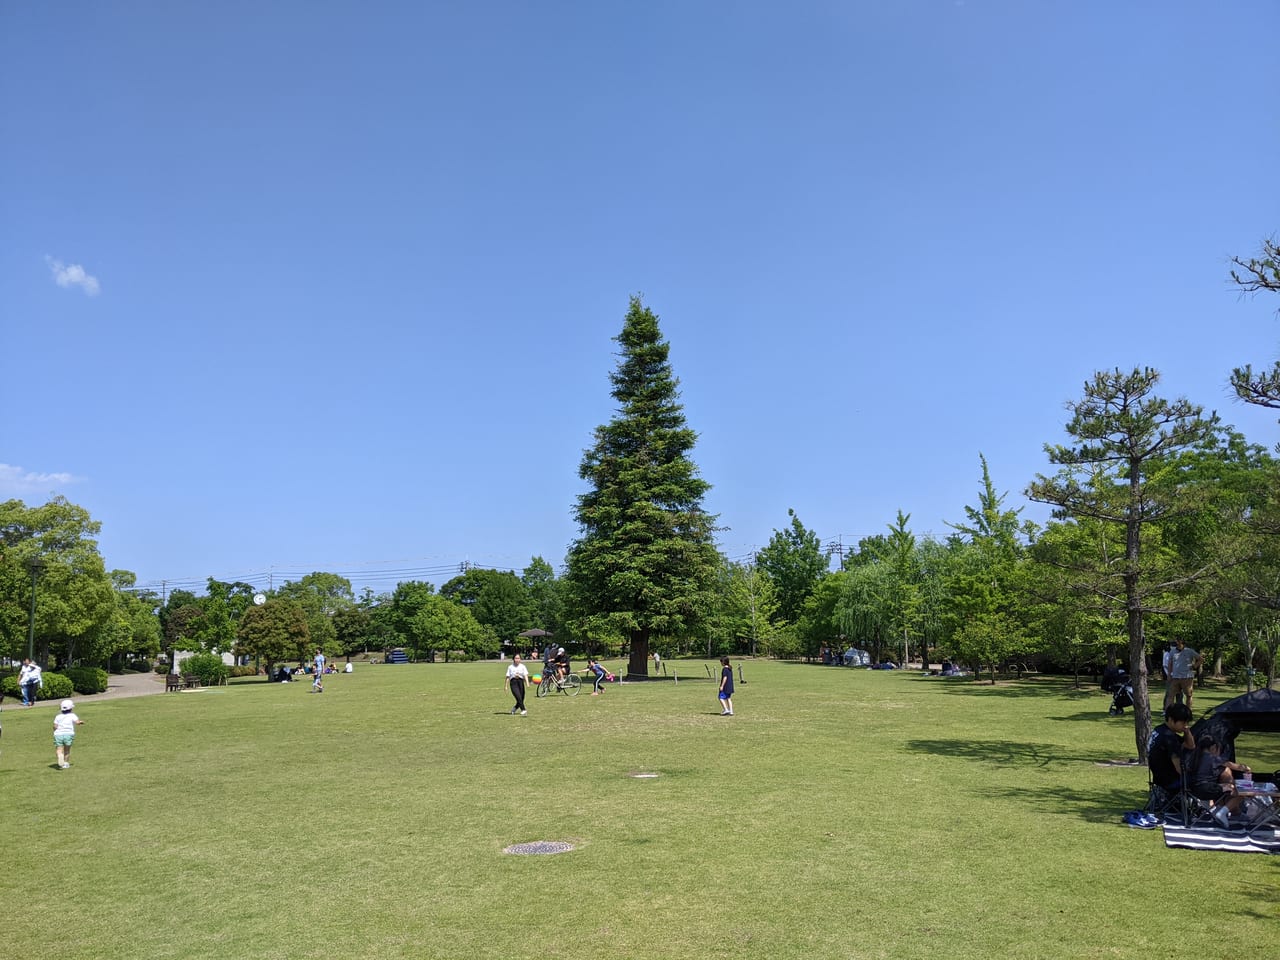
pixel 840 814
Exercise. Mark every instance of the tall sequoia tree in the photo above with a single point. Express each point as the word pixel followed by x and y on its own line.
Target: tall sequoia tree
pixel 1124 471
pixel 644 562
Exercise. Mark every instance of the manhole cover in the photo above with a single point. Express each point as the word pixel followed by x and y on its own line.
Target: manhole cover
pixel 539 846
pixel 643 776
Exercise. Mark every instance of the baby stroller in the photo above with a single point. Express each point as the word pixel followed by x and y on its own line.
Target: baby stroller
pixel 1115 681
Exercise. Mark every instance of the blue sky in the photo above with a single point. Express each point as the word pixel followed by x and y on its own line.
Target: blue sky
pixel 300 286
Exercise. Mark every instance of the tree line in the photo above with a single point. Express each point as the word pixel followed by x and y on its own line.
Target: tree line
pixel 1165 523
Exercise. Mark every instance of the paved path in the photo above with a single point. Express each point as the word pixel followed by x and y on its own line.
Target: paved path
pixel 118 685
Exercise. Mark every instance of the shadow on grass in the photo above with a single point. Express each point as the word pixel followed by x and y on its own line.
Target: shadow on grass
pixel 1097 715
pixel 1007 752
pixel 1092 806
pixel 1096 806
pixel 1030 687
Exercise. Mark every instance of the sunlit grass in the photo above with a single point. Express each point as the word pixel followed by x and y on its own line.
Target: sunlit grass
pixel 841 813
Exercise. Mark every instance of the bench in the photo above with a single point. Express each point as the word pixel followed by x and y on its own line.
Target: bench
pixel 190 681
pixel 172 682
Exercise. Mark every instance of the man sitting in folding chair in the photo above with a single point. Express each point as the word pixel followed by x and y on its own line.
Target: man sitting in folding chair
pixel 1165 750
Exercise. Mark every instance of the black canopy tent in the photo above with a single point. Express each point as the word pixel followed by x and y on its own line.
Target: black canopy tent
pixel 1255 712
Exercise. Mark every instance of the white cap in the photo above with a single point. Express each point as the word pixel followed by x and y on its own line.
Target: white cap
pixel 67 706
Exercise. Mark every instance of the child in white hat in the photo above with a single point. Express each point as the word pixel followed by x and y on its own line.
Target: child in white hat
pixel 64 733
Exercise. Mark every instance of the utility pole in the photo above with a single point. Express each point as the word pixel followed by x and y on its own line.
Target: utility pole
pixel 35 565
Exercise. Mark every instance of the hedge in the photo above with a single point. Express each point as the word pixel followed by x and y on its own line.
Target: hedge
pixel 56 687
pixel 87 680
pixel 207 666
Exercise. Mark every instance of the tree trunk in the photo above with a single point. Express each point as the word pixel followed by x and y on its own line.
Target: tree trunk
pixel 1247 642
pixel 1133 620
pixel 638 664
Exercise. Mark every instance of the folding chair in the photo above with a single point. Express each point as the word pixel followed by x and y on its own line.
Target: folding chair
pixel 1197 812
pixel 1163 801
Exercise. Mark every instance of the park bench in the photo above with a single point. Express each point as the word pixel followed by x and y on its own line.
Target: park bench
pixel 172 682
pixel 190 681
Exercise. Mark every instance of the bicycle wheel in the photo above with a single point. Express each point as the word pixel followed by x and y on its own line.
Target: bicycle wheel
pixel 543 686
pixel 571 685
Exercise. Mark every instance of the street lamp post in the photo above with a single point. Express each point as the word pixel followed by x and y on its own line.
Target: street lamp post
pixel 35 565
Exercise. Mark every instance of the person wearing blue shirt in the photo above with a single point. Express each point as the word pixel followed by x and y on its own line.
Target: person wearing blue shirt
pixel 598 673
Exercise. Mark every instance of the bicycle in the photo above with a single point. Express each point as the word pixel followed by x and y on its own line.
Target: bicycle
pixel 569 686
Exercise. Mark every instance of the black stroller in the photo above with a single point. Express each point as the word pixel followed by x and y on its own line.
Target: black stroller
pixel 1115 681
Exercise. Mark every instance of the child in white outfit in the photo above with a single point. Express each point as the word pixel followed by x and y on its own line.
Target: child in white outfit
pixel 64 733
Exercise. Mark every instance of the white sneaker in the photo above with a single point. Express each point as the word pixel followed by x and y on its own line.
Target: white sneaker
pixel 524 713
pixel 64 766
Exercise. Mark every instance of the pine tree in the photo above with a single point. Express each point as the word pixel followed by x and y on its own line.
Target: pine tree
pixel 1123 471
pixel 644 563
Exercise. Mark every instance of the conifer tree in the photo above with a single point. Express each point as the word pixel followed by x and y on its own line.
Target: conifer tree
pixel 644 563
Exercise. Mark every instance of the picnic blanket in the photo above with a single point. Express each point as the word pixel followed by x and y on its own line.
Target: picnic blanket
pixel 1216 838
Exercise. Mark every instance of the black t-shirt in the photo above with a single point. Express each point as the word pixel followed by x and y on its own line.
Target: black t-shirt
pixel 1204 778
pixel 562 660
pixel 1164 746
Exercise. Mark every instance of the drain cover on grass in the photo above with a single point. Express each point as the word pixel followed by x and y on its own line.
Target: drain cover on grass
pixel 539 846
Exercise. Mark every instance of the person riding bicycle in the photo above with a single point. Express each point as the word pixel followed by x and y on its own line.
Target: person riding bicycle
pixel 561 662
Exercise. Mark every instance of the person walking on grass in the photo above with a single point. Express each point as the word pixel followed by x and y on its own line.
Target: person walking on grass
pixel 726 688
pixel 1185 663
pixel 317 684
pixel 517 677
pixel 64 733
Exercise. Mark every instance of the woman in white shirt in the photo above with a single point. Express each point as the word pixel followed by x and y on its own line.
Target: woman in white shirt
pixel 30 681
pixel 517 677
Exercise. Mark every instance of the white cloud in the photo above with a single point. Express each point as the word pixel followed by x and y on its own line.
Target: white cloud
pixel 73 275
pixel 15 481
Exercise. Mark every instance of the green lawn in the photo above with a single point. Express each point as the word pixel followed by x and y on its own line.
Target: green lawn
pixel 840 814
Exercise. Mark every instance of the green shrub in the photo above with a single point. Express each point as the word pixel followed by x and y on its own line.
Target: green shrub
pixel 56 687
pixel 87 680
pixel 140 666
pixel 207 666
pixel 245 671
